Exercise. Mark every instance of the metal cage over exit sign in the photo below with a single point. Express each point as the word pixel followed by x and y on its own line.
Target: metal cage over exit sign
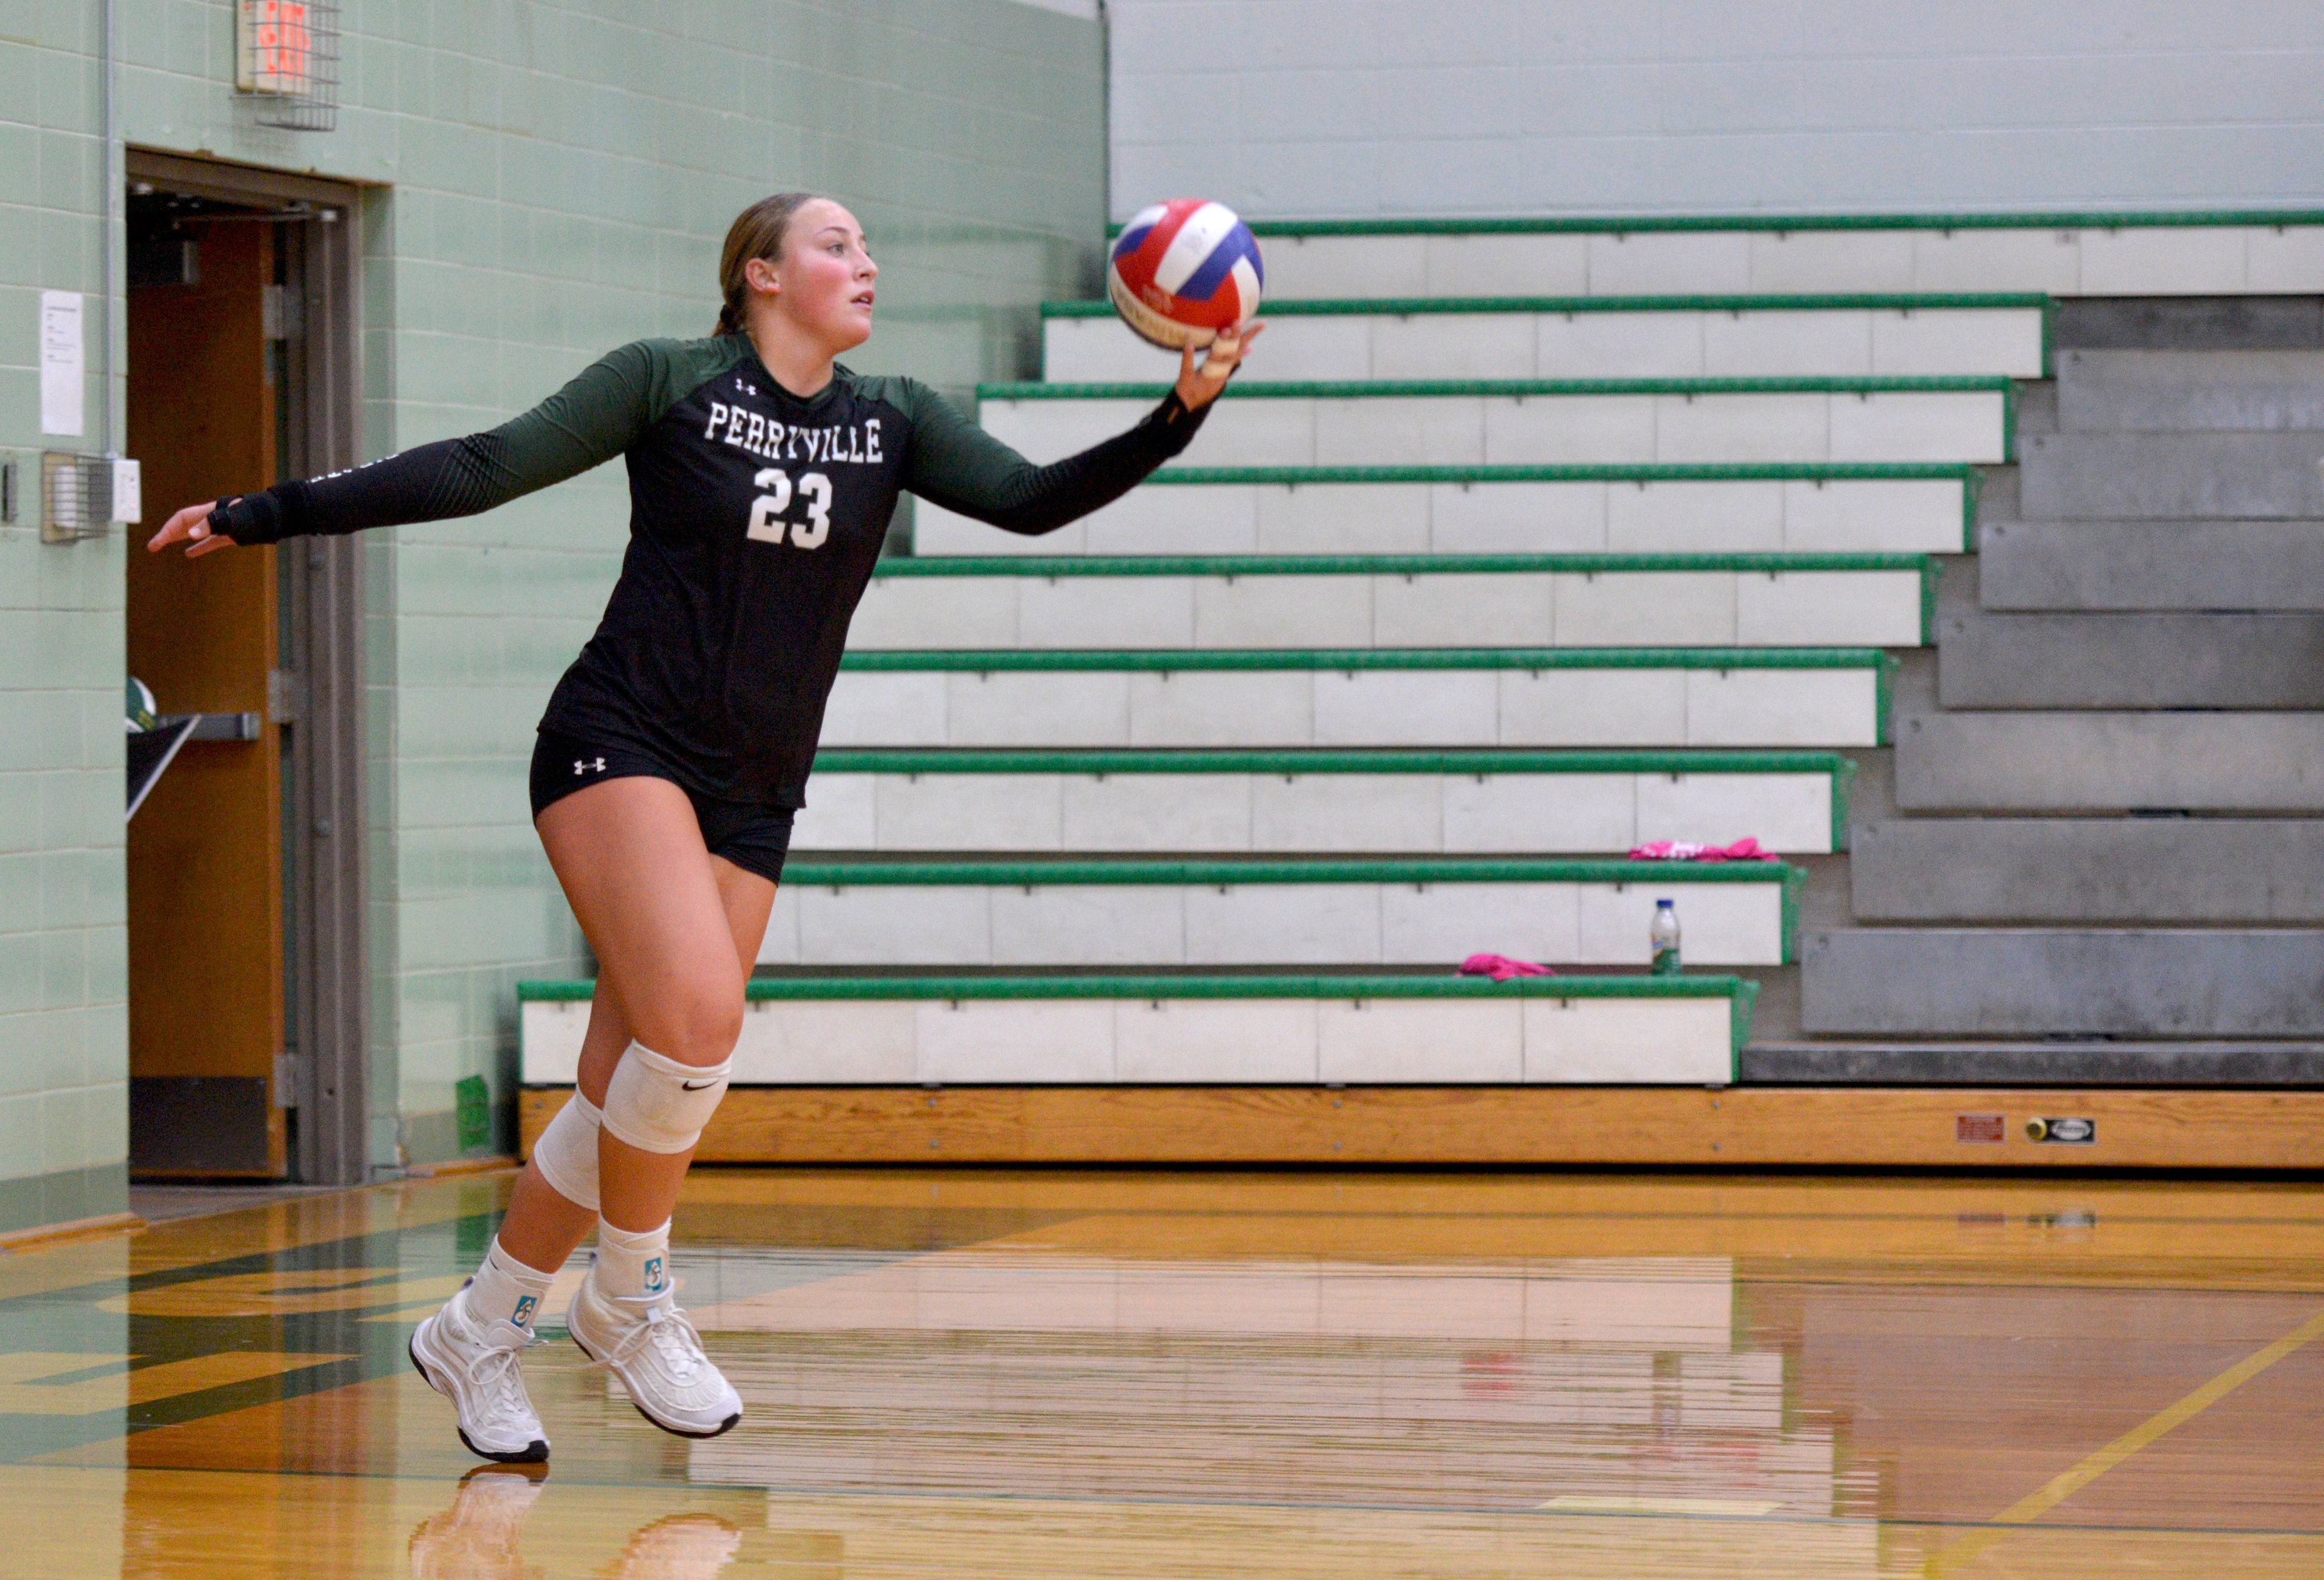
pixel 287 54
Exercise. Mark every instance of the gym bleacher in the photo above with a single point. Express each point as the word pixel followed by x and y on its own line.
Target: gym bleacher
pixel 1947 559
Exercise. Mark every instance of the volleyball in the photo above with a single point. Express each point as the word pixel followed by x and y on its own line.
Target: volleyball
pixel 1183 271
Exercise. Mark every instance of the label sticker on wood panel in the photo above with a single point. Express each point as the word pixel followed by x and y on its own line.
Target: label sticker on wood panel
pixel 1978 1127
pixel 2073 1132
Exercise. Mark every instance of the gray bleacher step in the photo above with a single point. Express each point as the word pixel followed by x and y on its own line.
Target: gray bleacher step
pixel 2150 565
pixel 2188 323
pixel 2030 982
pixel 2078 660
pixel 2110 761
pixel 2037 411
pixel 2180 392
pixel 2150 477
pixel 2033 1064
pixel 2101 870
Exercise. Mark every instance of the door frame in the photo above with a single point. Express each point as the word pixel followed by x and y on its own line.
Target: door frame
pixel 324 1071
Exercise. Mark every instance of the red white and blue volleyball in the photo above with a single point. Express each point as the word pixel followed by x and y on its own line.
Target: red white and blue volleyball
pixel 1184 270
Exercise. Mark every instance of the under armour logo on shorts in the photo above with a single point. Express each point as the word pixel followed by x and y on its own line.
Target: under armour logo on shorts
pixel 580 767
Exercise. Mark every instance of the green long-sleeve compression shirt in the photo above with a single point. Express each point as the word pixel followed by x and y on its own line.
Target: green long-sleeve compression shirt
pixel 755 518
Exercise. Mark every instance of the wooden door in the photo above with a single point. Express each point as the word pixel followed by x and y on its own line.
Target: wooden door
pixel 205 963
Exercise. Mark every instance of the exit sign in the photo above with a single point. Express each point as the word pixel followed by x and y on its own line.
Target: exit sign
pixel 275 46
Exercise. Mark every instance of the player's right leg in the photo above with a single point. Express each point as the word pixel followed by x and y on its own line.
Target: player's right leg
pixel 557 1200
pixel 630 855
pixel 467 1350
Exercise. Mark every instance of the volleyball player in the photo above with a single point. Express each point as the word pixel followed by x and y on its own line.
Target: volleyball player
pixel 674 751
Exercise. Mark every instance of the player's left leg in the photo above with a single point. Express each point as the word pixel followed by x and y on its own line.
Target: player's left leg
pixel 625 1315
pixel 468 1351
pixel 557 1200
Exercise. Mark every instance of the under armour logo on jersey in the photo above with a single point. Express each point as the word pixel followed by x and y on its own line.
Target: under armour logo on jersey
pixel 747 388
pixel 580 767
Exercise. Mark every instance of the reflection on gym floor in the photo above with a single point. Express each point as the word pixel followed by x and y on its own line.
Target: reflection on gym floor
pixel 1037 1375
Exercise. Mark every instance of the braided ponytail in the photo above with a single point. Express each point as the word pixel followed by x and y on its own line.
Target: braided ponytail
pixel 757 233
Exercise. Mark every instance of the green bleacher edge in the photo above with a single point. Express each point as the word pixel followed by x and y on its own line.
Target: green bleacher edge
pixel 1623 224
pixel 1230 566
pixel 980 660
pixel 1971 479
pixel 1522 389
pixel 1018 873
pixel 1740 991
pixel 1419 565
pixel 1945 384
pixel 1476 761
pixel 1827 301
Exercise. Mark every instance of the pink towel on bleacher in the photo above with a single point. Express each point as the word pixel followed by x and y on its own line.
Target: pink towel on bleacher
pixel 1500 967
pixel 1682 850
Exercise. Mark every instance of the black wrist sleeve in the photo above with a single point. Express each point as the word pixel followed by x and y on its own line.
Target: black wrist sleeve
pixel 433 482
pixel 1065 491
pixel 592 419
pixel 962 468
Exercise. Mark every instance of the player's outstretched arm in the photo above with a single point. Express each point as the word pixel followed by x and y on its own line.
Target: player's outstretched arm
pixel 588 421
pixel 1200 382
pixel 190 526
pixel 957 465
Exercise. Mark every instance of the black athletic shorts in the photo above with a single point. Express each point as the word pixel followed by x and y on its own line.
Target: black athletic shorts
pixel 754 837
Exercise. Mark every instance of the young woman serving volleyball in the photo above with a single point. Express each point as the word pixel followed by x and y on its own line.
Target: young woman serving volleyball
pixel 676 750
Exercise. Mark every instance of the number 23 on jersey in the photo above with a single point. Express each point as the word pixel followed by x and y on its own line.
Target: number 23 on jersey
pixel 767 522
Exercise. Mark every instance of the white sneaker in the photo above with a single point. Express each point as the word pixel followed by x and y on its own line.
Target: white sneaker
pixel 653 1347
pixel 474 1366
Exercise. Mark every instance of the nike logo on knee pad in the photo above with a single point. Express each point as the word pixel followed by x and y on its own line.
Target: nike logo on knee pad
pixel 660 1104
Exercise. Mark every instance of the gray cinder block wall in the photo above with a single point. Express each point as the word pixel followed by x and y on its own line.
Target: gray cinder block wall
pixel 1348 109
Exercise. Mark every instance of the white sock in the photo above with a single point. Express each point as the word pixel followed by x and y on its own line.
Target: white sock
pixel 634 1264
pixel 506 1290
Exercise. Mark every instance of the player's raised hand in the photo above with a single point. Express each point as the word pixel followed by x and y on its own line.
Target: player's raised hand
pixel 190 526
pixel 1199 383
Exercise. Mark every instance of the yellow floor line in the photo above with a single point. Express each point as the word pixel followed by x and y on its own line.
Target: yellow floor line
pixel 25 1388
pixel 2062 1487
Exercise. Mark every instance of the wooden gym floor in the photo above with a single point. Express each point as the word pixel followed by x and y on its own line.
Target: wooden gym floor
pixel 1030 1375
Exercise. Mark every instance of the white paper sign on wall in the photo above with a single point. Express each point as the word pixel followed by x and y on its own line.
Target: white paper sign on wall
pixel 61 363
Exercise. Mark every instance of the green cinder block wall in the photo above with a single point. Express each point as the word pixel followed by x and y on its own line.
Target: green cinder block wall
pixel 545 182
pixel 64 1023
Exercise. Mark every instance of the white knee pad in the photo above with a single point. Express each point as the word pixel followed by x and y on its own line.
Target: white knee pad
pixel 566 1152
pixel 658 1105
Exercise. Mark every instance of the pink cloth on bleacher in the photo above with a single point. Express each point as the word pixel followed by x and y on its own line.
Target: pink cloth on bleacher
pixel 1500 967
pixel 1682 850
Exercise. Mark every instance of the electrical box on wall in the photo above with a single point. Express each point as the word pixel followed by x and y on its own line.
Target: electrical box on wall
pixel 82 496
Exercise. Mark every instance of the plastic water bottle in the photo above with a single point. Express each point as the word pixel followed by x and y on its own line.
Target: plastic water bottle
pixel 1661 938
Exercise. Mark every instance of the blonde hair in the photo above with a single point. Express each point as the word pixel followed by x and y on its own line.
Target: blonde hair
pixel 757 232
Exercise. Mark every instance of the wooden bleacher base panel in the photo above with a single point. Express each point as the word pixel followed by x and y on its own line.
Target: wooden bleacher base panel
pixel 1741 1126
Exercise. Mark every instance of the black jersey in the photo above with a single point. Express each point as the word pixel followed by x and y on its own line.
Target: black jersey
pixel 755 518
